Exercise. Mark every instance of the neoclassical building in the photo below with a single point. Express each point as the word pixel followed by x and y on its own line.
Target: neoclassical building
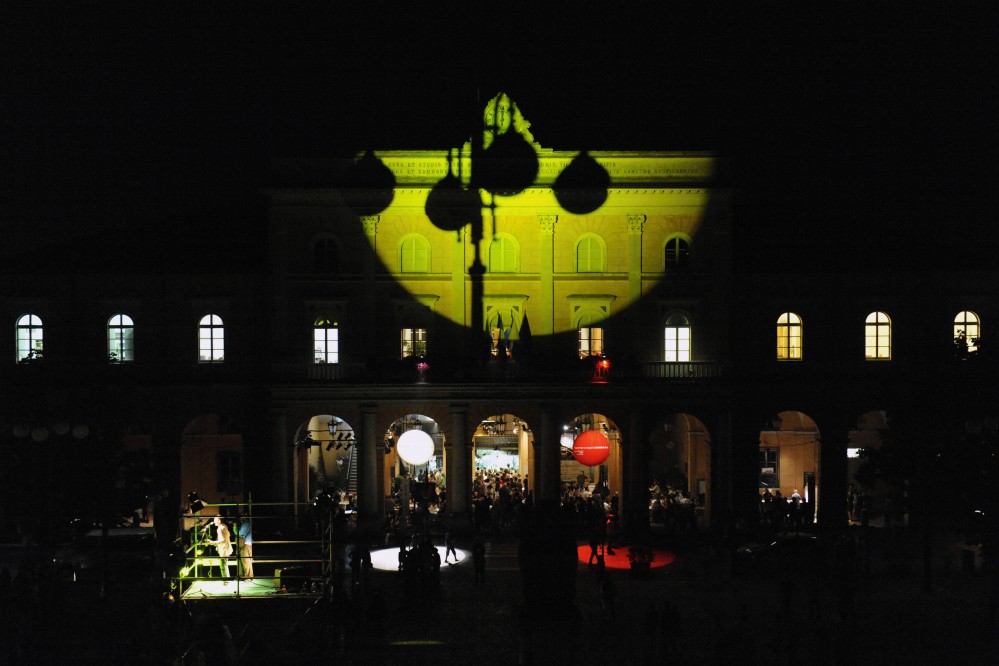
pixel 501 297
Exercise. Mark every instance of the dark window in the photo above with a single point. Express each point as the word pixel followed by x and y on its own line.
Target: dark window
pixel 769 470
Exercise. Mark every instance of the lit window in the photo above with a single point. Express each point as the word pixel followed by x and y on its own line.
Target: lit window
pixel 211 339
pixel 677 339
pixel 414 342
pixel 589 254
pixel 414 255
pixel 769 468
pixel 677 254
pixel 326 255
pixel 121 340
pixel 967 332
pixel 29 338
pixel 877 337
pixel 503 255
pixel 326 335
pixel 789 337
pixel 591 341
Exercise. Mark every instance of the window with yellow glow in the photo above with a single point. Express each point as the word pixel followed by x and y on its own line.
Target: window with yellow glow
pixel 877 337
pixel 677 339
pixel 503 255
pixel 414 255
pixel 789 337
pixel 967 330
pixel 590 254
pixel 591 341
pixel 414 342
pixel 326 339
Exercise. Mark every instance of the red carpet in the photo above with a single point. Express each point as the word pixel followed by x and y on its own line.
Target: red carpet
pixel 619 560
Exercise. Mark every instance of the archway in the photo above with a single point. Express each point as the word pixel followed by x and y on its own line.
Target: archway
pixel 326 458
pixel 789 470
pixel 606 476
pixel 865 491
pixel 679 467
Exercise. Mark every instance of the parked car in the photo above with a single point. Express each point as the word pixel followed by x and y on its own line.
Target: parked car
pixel 126 551
pixel 785 553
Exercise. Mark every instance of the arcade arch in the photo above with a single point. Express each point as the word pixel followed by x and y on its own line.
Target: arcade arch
pixel 610 471
pixel 679 459
pixel 789 464
pixel 503 441
pixel 326 457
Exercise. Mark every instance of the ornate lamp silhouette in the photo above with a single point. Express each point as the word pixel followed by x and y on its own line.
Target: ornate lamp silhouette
pixel 502 161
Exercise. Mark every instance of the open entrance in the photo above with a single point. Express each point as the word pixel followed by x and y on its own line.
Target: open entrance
pixel 326 458
pixel 591 456
pixel 789 455
pixel 680 472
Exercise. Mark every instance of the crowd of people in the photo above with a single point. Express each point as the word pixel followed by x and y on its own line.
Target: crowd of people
pixel 782 512
pixel 673 507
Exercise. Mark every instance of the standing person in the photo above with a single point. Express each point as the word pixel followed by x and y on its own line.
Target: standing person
pixel 449 546
pixel 244 541
pixel 223 545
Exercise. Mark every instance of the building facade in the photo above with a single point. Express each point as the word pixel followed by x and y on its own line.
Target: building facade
pixel 433 290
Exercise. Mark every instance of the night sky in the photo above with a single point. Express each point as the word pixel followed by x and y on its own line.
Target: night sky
pixel 858 132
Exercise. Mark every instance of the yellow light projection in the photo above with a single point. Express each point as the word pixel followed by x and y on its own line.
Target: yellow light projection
pixel 511 227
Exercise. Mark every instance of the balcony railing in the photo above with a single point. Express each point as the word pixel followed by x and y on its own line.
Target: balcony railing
pixel 686 370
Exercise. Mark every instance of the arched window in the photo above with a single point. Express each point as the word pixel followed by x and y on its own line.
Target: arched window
pixel 29 337
pixel 591 336
pixel 967 332
pixel 789 337
pixel 877 337
pixel 211 339
pixel 121 341
pixel 326 337
pixel 677 254
pixel 503 255
pixel 677 339
pixel 326 255
pixel 414 255
pixel 590 255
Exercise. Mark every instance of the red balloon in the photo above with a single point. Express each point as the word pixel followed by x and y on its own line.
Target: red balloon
pixel 591 448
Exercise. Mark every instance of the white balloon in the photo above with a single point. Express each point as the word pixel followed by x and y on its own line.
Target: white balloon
pixel 415 447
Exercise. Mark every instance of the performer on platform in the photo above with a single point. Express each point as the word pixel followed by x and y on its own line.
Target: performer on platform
pixel 223 545
pixel 244 541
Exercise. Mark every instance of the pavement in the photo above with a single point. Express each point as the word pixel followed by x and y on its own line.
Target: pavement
pixel 897 615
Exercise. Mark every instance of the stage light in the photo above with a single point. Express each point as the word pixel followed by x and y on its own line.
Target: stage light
pixel 194 502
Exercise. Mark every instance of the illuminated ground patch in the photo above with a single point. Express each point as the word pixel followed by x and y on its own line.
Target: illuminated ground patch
pixel 619 560
pixel 387 559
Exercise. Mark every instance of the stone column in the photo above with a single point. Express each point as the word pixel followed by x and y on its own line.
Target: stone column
pixel 547 466
pixel 459 303
pixel 459 472
pixel 636 224
pixel 634 501
pixel 832 481
pixel 546 276
pixel 370 224
pixel 370 504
